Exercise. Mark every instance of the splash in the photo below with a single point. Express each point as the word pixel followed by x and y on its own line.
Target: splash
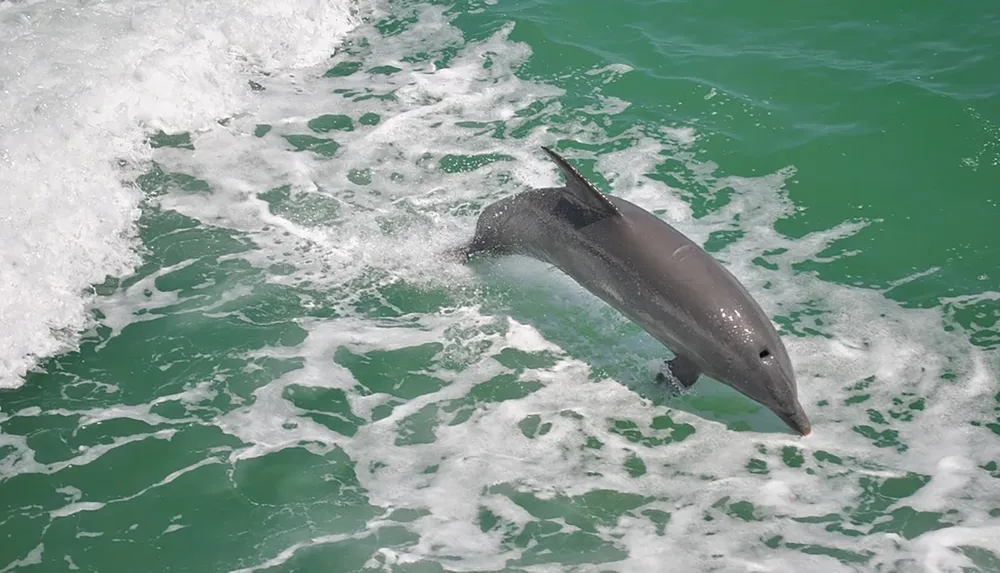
pixel 84 86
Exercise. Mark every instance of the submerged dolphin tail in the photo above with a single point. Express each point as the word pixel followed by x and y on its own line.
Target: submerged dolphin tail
pixel 796 419
pixel 583 190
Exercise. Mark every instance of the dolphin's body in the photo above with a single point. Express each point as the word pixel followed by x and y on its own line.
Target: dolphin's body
pixel 655 276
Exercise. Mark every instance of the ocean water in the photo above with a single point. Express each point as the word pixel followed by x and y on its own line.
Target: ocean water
pixel 229 341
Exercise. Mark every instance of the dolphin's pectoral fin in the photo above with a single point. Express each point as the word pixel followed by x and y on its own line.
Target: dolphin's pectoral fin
pixel 680 371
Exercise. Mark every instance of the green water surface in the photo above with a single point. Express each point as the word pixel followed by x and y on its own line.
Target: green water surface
pixel 889 113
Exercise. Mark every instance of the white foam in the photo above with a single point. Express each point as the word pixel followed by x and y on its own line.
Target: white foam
pixel 526 337
pixel 290 552
pixel 420 204
pixel 73 508
pixel 22 461
pixel 34 557
pixel 82 86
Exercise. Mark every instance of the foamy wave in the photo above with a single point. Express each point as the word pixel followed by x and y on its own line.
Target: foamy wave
pixel 83 87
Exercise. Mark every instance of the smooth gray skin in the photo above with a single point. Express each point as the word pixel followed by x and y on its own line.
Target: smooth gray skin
pixel 655 276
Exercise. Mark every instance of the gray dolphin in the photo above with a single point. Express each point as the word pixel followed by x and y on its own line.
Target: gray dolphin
pixel 655 276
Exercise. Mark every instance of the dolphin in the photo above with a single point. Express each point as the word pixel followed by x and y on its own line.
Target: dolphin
pixel 655 276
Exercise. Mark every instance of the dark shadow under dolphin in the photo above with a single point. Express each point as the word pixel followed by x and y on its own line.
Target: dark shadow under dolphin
pixel 656 277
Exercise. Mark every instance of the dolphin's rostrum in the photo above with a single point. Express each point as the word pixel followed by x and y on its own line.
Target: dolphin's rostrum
pixel 655 276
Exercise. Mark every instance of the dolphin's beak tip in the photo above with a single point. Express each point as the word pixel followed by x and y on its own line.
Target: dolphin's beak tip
pixel 803 426
pixel 797 421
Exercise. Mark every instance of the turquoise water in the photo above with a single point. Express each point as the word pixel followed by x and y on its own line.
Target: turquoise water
pixel 230 342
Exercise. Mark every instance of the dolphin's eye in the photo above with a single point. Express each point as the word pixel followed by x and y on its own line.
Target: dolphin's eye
pixel 765 353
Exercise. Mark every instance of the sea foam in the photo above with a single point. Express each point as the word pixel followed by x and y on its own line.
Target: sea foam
pixel 83 87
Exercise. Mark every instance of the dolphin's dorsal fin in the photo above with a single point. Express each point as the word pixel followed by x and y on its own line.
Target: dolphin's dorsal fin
pixel 582 189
